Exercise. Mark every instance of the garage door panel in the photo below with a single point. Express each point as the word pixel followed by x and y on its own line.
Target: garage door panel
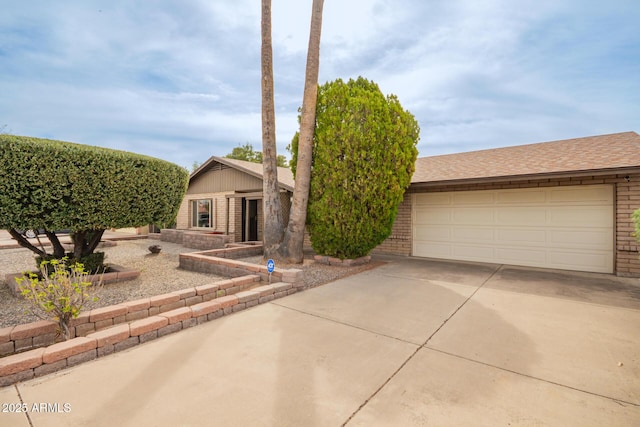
pixel 511 236
pixel 442 250
pixel 530 216
pixel 473 252
pixel 556 227
pixel 586 194
pixel 482 216
pixel 521 256
pixel 436 216
pixel 433 233
pixel 598 261
pixel 433 199
pixel 585 239
pixel 519 197
pixel 576 217
pixel 473 198
pixel 472 234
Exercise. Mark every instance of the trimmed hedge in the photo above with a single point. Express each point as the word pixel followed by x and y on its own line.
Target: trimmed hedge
pixel 363 158
pixel 54 185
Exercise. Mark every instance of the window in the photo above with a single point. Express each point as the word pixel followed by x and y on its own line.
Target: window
pixel 202 213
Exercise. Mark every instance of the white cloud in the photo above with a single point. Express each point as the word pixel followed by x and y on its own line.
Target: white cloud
pixel 181 81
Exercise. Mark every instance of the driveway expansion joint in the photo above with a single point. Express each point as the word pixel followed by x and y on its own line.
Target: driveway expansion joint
pixel 489 365
pixel 345 324
pixel 464 303
pixel 403 364
pixel 26 413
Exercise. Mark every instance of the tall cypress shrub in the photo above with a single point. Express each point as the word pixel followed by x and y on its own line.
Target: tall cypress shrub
pixel 363 160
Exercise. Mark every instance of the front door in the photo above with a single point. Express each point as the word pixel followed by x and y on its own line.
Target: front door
pixel 253 220
pixel 249 220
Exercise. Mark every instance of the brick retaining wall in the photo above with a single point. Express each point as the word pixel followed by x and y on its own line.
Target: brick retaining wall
pixel 171 235
pixel 147 319
pixel 31 350
pixel 221 262
pixel 195 239
pixel 19 338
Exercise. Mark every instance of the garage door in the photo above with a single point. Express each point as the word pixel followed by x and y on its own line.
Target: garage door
pixel 568 228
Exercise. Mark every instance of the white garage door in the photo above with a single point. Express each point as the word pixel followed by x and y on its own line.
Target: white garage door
pixel 568 228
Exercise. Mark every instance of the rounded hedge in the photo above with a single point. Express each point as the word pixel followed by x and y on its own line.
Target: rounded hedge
pixel 52 185
pixel 363 159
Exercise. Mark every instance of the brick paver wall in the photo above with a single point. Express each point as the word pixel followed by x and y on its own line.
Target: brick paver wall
pixel 15 339
pixel 399 243
pixel 195 239
pixel 171 313
pixel 31 350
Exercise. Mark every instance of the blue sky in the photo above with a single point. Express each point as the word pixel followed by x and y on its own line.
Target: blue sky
pixel 180 80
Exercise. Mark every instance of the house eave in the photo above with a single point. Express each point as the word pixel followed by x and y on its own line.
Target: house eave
pixel 528 177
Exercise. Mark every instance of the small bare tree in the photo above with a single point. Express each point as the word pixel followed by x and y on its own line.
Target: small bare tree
pixel 61 291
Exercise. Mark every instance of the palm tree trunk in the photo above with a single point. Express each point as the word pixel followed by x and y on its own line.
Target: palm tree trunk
pixel 272 211
pixel 291 248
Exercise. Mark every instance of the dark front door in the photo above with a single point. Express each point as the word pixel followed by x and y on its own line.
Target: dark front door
pixel 253 220
pixel 249 220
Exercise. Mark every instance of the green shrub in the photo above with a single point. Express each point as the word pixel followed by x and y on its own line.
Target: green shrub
pixel 61 291
pixel 56 185
pixel 92 263
pixel 363 159
pixel 636 221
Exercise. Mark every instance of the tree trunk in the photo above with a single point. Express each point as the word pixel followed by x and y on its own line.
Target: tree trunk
pixel 78 244
pixel 93 241
pixel 291 248
pixel 272 211
pixel 22 241
pixel 85 242
pixel 58 249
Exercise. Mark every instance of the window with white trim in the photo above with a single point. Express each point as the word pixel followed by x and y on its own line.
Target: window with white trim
pixel 202 213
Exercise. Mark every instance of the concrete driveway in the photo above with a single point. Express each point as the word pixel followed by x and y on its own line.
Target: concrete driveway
pixel 414 342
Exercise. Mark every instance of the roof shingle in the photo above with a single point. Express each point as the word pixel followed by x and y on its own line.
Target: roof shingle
pixel 594 153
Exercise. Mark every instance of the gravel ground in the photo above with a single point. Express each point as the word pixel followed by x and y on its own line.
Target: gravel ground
pixel 158 274
pixel 316 274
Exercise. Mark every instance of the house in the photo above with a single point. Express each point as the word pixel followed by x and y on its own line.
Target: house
pixel 562 204
pixel 224 196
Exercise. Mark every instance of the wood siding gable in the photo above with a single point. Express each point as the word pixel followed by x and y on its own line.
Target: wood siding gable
pixel 222 178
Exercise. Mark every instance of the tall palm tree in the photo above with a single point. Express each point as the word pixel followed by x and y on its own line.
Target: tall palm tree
pixel 273 222
pixel 292 244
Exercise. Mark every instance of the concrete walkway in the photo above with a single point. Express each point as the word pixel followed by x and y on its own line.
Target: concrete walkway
pixel 414 342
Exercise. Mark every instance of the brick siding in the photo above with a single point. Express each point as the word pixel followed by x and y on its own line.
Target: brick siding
pixel 399 243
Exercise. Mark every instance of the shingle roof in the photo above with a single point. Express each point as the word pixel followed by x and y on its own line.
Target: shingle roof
pixel 594 153
pixel 285 176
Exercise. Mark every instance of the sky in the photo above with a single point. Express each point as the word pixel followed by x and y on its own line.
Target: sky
pixel 180 80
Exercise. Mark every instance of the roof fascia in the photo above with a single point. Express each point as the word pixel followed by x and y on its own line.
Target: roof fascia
pixel 555 175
